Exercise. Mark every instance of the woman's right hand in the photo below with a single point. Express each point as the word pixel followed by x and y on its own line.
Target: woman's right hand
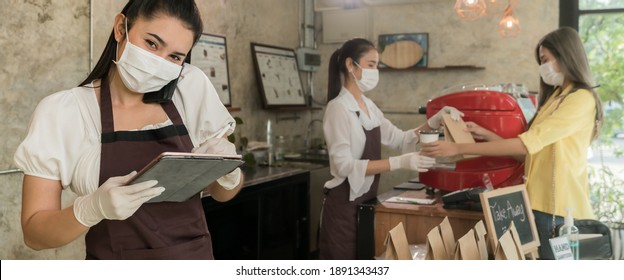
pixel 114 200
pixel 480 133
pixel 439 149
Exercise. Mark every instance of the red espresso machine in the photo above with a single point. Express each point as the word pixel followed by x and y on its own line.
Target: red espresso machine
pixel 496 111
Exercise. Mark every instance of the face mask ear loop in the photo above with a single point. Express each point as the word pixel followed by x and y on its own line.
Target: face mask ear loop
pixel 127 40
pixel 353 72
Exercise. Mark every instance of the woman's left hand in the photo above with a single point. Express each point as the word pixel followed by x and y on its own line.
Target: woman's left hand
pixel 439 149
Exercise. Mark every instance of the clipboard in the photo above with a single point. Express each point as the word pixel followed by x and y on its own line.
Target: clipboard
pixel 184 175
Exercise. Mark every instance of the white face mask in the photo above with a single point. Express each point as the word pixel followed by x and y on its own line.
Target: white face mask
pixel 548 74
pixel 370 78
pixel 142 71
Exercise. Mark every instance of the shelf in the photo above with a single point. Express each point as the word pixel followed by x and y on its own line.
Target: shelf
pixel 442 68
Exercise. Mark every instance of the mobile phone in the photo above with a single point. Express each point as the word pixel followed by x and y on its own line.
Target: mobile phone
pixel 165 94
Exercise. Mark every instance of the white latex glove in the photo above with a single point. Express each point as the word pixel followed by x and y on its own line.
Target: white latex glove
pixel 411 161
pixel 114 200
pixel 435 120
pixel 221 146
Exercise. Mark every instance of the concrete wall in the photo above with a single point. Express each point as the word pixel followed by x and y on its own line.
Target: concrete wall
pixel 47 48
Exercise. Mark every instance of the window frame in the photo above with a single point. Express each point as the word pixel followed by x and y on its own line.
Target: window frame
pixel 569 13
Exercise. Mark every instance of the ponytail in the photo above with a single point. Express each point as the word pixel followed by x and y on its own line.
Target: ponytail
pixel 334 83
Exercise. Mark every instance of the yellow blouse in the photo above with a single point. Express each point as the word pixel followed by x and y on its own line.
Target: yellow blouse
pixel 562 129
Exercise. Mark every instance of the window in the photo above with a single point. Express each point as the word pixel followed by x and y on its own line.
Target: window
pixel 601 26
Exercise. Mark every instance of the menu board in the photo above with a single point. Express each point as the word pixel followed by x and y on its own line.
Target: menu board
pixel 210 55
pixel 278 77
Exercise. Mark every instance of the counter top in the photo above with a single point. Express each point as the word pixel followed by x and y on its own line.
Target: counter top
pixel 436 209
pixel 261 174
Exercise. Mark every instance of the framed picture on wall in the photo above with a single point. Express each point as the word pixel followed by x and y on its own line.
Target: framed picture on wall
pixel 403 51
pixel 278 77
pixel 210 55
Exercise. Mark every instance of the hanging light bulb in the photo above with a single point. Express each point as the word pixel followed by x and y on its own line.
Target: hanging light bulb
pixel 509 26
pixel 470 9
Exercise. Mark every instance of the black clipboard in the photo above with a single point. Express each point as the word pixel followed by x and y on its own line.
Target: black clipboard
pixel 184 175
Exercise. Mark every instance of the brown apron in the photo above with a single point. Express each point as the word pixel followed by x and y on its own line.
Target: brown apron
pixel 337 239
pixel 164 230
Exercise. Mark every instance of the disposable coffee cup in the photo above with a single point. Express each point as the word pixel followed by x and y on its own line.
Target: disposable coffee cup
pixel 428 136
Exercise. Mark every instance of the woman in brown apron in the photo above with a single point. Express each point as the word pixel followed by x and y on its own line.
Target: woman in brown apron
pixel 355 129
pixel 149 102
pixel 152 232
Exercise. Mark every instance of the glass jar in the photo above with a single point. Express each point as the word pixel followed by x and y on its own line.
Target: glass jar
pixel 280 147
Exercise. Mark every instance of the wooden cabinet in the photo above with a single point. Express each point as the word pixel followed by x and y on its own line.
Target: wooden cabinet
pixel 267 220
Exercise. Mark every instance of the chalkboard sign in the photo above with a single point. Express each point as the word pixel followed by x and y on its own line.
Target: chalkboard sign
pixel 501 206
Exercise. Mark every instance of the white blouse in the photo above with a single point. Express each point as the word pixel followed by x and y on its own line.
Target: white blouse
pixel 345 140
pixel 63 140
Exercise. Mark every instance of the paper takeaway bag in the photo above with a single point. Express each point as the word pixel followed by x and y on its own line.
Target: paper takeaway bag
pixel 441 242
pixel 454 131
pixel 435 245
pixel 509 246
pixel 467 248
pixel 396 244
pixel 448 237
pixel 481 237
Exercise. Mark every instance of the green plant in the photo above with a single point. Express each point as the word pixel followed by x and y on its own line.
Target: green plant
pixel 607 195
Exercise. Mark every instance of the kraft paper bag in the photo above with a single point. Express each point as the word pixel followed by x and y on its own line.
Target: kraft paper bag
pixel 454 131
pixel 481 238
pixel 396 244
pixel 467 248
pixel 435 245
pixel 509 246
pixel 448 237
pixel 517 242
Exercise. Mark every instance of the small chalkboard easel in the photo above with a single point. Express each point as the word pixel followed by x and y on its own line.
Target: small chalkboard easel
pixel 504 205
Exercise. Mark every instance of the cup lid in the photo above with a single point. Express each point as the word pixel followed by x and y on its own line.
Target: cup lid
pixel 429 131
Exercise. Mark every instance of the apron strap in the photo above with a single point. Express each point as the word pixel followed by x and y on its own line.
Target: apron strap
pixel 106 107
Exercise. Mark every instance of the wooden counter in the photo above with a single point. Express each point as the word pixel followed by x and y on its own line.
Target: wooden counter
pixel 418 220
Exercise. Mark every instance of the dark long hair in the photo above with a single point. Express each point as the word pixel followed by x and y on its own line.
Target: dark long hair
pixel 355 49
pixel 567 48
pixel 184 10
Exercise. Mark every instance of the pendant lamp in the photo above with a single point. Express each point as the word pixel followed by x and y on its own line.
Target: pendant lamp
pixel 509 25
pixel 470 9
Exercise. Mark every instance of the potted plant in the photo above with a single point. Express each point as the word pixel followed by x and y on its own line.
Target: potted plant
pixel 607 198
